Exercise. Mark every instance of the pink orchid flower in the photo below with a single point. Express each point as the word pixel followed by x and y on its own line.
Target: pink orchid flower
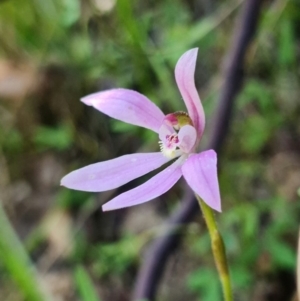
pixel 179 134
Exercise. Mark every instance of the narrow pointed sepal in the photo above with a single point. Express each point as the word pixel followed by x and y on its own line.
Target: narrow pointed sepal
pixel 128 106
pixel 200 172
pixel 184 75
pixel 113 173
pixel 153 188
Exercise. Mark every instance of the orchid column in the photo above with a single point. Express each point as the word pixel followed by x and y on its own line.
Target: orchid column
pixel 179 135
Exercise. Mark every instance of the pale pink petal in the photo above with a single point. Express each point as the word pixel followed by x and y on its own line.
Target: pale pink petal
pixel 128 106
pixel 151 189
pixel 200 172
pixel 113 173
pixel 184 74
pixel 187 137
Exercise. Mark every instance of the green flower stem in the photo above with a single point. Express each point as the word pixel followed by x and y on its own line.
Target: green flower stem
pixel 218 249
pixel 15 259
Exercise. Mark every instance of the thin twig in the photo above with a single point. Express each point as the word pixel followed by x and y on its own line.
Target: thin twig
pixel 152 268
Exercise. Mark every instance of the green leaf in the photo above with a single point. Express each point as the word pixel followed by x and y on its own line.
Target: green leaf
pixel 282 254
pixel 85 285
pixel 286 54
pixel 241 277
pixel 59 138
pixel 258 132
pixel 116 258
pixel 205 282
pixel 70 12
pixel 258 92
pixel 17 262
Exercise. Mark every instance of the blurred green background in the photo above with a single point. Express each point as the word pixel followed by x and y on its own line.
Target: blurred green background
pixel 54 52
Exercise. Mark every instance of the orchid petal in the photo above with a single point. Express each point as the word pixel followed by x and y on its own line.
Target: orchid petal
pixel 200 172
pixel 187 137
pixel 128 106
pixel 151 189
pixel 113 173
pixel 184 74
